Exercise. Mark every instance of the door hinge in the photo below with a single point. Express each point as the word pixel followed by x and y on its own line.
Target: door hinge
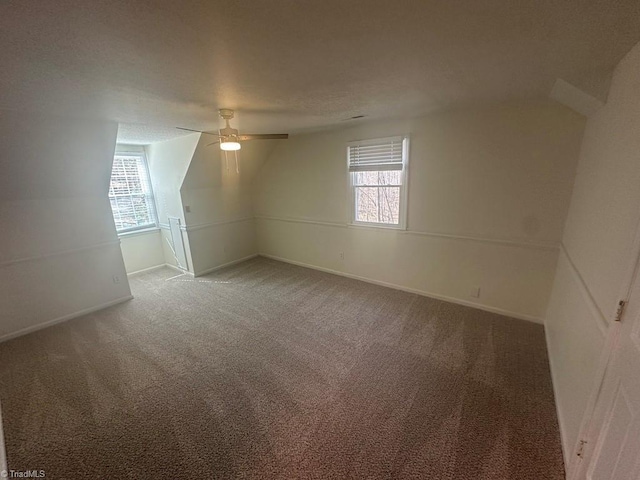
pixel 620 310
pixel 580 451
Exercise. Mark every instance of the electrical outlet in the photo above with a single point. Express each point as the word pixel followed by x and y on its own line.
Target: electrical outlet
pixel 187 208
pixel 341 255
pixel 475 292
pixel 116 279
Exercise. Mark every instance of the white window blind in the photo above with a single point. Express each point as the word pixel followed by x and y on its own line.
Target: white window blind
pixel 130 193
pixel 376 155
pixel 378 176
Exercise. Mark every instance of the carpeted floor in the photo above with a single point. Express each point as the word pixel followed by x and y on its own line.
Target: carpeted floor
pixel 267 370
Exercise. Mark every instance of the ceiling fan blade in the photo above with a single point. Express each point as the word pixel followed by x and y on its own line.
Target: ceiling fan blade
pixel 197 131
pixel 264 136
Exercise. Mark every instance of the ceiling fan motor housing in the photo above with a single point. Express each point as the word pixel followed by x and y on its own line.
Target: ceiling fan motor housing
pixel 226 113
pixel 228 132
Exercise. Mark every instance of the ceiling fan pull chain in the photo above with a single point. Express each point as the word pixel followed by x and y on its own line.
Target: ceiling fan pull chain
pixel 226 160
pixel 235 152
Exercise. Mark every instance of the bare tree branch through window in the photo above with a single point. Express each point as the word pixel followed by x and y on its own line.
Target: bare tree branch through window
pixel 377 178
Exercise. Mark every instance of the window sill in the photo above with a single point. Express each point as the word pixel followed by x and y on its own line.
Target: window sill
pixel 380 226
pixel 134 233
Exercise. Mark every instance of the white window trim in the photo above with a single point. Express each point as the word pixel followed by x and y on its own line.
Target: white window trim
pixel 139 151
pixel 143 231
pixel 404 188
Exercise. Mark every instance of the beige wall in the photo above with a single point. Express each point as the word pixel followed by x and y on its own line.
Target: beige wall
pixel 59 252
pixel 188 174
pixel 489 189
pixel 598 237
pixel 220 224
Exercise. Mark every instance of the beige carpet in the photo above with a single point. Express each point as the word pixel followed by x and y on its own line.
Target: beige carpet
pixel 267 370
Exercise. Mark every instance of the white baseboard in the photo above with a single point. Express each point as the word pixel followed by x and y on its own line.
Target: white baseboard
pixel 436 296
pixel 64 318
pixel 225 265
pixel 3 451
pixel 147 270
pixel 561 422
pixel 177 269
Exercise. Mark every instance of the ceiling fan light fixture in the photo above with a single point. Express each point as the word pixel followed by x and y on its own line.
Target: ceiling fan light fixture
pixel 229 139
pixel 229 145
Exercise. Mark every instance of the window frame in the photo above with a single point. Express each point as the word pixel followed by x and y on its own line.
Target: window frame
pixel 140 153
pixel 404 187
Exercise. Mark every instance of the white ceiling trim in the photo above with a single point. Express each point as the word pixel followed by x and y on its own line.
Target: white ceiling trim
pixel 574 98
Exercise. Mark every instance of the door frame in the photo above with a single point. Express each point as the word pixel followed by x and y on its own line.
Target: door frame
pixel 588 432
pixel 3 452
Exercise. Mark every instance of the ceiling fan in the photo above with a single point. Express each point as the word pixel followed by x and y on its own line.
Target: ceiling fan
pixel 229 138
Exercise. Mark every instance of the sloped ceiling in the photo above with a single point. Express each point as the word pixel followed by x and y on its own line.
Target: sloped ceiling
pixel 289 65
pixel 141 134
pixel 45 156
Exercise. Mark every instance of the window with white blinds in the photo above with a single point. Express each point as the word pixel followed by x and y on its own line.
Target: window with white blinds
pixel 378 174
pixel 130 193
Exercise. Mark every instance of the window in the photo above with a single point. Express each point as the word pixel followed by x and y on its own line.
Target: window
pixel 130 193
pixel 378 175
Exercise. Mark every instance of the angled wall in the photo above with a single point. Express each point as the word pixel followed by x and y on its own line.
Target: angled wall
pixel 168 164
pixel 217 192
pixel 211 196
pixel 59 252
pixel 141 250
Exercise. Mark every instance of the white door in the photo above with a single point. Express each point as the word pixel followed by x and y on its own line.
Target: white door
pixel 612 451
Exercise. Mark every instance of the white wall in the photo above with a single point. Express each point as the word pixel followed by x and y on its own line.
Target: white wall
pixel 142 250
pixel 600 228
pixel 59 252
pixel 489 189
pixel 168 164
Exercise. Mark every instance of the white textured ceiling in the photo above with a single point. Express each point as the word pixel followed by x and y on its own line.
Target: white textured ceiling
pixel 141 134
pixel 288 65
